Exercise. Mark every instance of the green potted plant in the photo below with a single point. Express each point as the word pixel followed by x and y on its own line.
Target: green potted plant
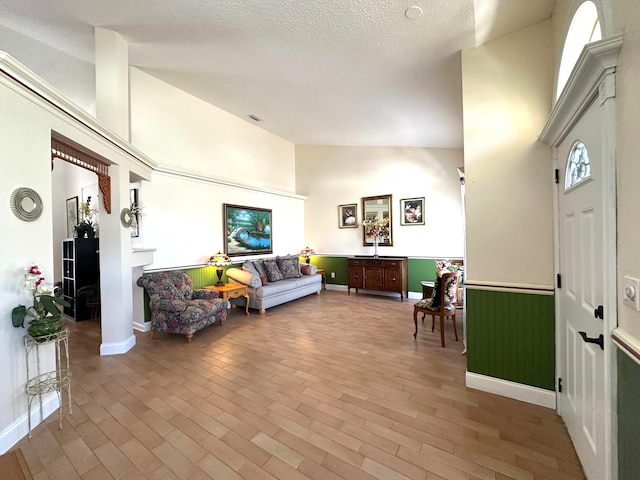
pixel 45 314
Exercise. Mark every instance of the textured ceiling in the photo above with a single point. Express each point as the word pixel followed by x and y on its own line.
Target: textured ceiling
pixel 332 72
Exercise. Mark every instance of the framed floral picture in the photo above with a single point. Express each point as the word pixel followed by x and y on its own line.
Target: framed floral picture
pixel 348 215
pixel 247 230
pixel 412 211
pixel 72 215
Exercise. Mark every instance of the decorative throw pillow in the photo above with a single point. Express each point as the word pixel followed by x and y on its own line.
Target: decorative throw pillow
pixel 250 267
pixel 263 279
pixel 289 267
pixel 272 271
pixel 259 267
pixel 307 269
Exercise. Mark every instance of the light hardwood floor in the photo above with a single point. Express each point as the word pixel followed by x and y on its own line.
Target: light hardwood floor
pixel 330 387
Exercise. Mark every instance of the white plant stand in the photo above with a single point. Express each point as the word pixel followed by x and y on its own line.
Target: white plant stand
pixel 58 380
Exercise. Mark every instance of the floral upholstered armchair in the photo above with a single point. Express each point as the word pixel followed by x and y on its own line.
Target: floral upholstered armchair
pixel 176 307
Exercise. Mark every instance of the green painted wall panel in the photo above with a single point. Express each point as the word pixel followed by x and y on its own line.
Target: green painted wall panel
pixel 628 417
pixel 420 269
pixel 511 335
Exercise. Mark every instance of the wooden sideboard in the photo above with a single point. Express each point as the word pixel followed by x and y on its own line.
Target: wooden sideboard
pixel 385 274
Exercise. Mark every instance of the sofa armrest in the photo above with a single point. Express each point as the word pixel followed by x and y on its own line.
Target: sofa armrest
pixel 205 294
pixel 245 277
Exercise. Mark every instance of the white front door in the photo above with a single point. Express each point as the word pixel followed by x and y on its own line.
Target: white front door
pixel 581 237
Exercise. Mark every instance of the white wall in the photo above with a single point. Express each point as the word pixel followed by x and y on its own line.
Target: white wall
pixel 507 97
pixel 72 76
pixel 626 18
pixel 335 175
pixel 181 132
pixel 184 213
pixel 184 219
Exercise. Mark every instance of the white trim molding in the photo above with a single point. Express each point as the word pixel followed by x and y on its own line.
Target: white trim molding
pixel 10 436
pixel 115 348
pixel 506 388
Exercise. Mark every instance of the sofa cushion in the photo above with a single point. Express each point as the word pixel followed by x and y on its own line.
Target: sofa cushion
pixel 289 266
pixel 272 270
pixel 263 278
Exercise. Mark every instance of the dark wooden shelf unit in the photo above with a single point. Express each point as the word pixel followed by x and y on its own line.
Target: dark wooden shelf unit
pixel 80 268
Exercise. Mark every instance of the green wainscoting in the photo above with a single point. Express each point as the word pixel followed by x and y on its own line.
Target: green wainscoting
pixel 628 417
pixel 511 335
pixel 338 265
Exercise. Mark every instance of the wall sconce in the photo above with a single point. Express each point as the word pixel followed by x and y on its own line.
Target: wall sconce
pixel 219 260
pixel 306 252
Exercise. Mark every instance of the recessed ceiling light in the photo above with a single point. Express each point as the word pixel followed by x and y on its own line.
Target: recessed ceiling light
pixel 255 118
pixel 413 12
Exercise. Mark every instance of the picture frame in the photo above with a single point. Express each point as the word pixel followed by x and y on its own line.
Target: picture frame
pixel 377 208
pixel 412 211
pixel 247 230
pixel 348 215
pixel 72 215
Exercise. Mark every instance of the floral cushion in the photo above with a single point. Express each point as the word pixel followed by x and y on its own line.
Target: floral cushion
pixel 263 279
pixel 289 266
pixel 307 269
pixel 272 271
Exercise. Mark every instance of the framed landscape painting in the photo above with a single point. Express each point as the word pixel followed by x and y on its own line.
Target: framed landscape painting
pixel 247 230
pixel 72 215
pixel 412 211
pixel 348 215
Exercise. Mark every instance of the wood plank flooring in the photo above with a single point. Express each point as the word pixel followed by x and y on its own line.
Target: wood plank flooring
pixel 330 387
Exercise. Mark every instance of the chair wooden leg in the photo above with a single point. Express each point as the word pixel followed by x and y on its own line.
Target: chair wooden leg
pixel 415 321
pixel 152 334
pixel 189 337
pixel 433 323
pixel 442 330
pixel 455 329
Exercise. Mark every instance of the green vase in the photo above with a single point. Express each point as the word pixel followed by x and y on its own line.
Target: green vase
pixel 40 329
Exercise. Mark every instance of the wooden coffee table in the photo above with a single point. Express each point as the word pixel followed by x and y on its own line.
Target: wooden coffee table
pixel 232 290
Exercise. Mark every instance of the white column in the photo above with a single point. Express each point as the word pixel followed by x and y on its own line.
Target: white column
pixel 112 81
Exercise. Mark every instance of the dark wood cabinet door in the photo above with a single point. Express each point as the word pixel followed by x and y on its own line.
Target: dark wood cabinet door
pixel 392 280
pixel 374 278
pixel 356 277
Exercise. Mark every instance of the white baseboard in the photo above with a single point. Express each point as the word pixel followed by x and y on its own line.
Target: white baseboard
pixel 15 432
pixel 343 288
pixel 142 326
pixel 116 348
pixel 517 391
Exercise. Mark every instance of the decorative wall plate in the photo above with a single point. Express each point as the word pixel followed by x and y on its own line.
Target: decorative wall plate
pixel 126 217
pixel 26 204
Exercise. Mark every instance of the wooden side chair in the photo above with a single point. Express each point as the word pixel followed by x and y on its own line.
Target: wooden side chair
pixel 442 303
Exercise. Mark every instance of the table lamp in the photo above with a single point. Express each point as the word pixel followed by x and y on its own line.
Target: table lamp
pixel 219 260
pixel 306 252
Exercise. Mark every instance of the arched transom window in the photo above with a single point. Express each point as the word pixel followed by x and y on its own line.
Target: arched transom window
pixel 578 166
pixel 584 29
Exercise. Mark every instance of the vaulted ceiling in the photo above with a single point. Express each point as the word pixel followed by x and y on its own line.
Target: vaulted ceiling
pixel 331 72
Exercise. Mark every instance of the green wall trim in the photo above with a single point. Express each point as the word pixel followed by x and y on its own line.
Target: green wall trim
pixel 628 416
pixel 511 335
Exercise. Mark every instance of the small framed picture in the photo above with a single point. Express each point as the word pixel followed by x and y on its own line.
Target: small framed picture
pixel 72 215
pixel 348 215
pixel 412 211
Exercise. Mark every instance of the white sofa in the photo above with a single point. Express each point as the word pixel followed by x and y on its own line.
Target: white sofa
pixel 266 294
